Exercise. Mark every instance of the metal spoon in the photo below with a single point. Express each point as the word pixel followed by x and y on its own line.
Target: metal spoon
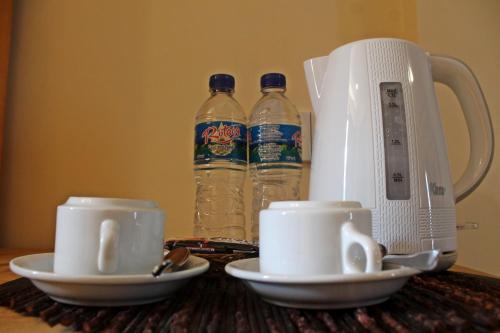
pixel 174 259
pixel 423 261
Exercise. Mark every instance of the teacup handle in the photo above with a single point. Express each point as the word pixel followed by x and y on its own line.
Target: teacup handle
pixel 107 258
pixel 351 236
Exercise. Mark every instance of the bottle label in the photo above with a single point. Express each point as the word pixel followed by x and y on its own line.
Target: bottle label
pixel 275 143
pixel 220 140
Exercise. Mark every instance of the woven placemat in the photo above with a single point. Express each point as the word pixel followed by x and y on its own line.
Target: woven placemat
pixel 215 302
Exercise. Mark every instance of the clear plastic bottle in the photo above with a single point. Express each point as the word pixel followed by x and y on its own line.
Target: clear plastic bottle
pixel 220 162
pixel 275 148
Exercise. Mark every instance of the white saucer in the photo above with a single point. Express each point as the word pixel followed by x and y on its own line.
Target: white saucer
pixel 103 290
pixel 321 291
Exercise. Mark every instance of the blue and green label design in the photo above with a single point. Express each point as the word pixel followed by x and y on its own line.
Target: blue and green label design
pixel 220 140
pixel 275 143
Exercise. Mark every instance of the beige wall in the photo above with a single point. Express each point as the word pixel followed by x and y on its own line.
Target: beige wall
pixel 470 30
pixel 103 93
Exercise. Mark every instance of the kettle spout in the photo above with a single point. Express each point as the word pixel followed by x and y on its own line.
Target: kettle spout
pixel 315 69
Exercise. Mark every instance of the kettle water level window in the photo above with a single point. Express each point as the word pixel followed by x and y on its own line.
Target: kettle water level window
pixel 397 171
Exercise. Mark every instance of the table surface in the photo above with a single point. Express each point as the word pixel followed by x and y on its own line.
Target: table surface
pixel 11 321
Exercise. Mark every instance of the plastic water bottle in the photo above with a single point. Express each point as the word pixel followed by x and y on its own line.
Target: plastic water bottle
pixel 275 148
pixel 220 162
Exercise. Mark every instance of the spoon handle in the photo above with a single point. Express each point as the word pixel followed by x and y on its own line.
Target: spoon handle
pixel 424 261
pixel 161 267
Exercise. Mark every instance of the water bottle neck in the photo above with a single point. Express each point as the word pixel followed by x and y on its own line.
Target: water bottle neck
pixel 268 90
pixel 221 91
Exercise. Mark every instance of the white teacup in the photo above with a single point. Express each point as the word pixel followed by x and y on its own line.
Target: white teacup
pixel 108 236
pixel 314 238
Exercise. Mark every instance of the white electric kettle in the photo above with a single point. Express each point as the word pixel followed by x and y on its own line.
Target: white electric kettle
pixel 378 139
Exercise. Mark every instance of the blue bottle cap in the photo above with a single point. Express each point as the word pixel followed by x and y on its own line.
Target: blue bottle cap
pixel 273 80
pixel 221 82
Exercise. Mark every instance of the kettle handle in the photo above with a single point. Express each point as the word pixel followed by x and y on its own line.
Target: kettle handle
pixel 456 75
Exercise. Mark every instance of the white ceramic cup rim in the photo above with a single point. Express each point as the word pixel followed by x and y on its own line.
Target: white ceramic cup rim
pixel 280 205
pixel 109 203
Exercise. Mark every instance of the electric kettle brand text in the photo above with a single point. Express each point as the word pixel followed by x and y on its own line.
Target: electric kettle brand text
pixel 378 139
